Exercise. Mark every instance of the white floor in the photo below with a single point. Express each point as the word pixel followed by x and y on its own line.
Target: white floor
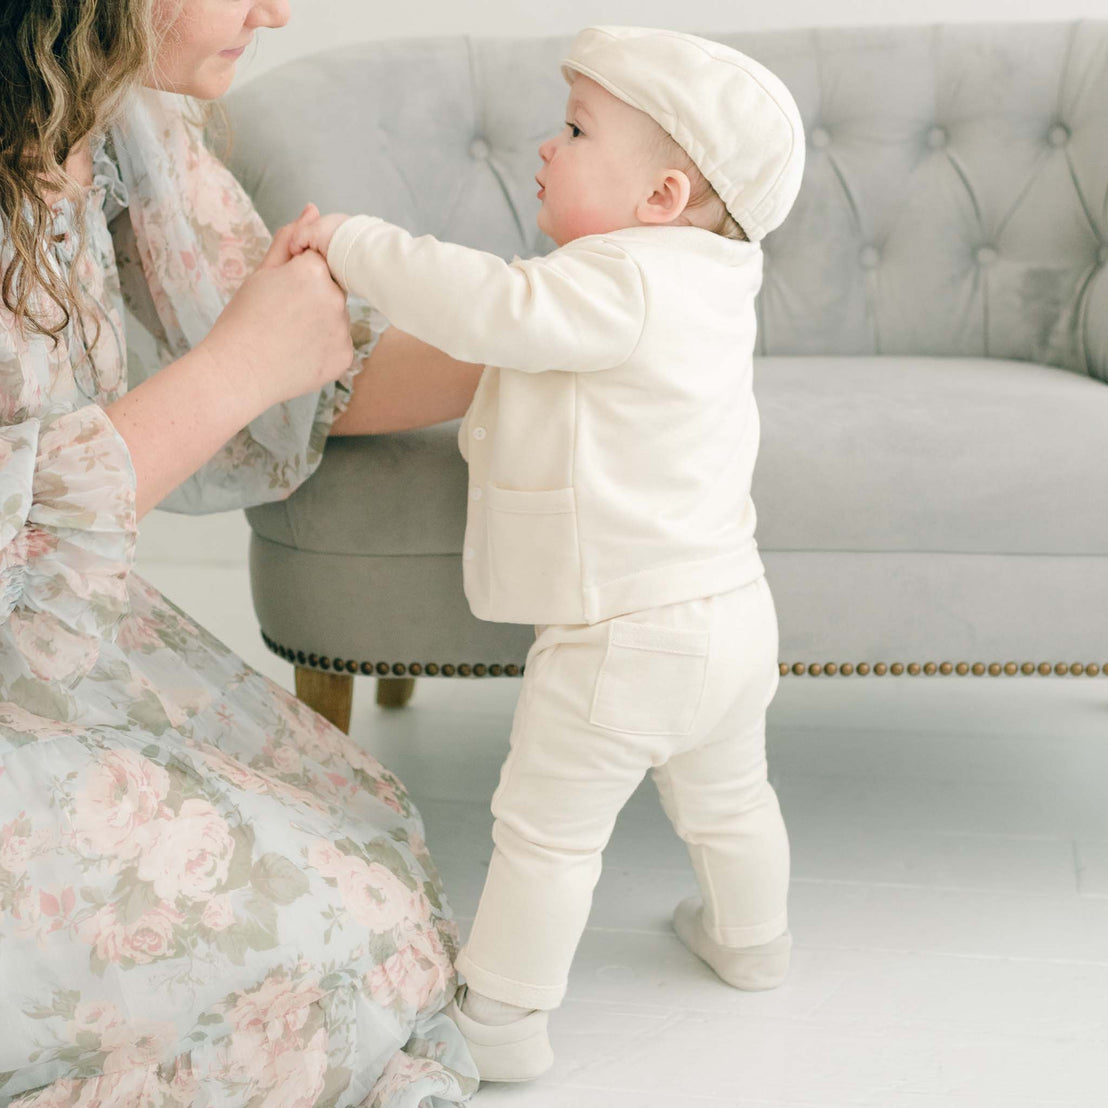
pixel 949 900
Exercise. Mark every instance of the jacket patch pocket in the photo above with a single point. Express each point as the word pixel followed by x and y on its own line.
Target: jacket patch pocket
pixel 533 557
pixel 651 680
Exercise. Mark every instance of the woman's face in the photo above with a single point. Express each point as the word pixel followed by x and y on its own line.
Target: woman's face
pixel 202 40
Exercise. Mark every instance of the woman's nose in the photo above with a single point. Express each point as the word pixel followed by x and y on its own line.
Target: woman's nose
pixel 269 13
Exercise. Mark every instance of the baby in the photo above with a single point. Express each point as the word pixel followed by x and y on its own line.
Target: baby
pixel 611 445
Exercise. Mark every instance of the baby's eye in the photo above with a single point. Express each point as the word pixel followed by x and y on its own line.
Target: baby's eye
pixel 574 130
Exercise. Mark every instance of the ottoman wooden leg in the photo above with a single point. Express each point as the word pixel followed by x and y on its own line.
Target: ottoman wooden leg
pixel 330 694
pixel 394 692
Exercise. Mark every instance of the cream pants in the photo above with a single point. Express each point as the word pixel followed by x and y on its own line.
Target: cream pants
pixel 679 690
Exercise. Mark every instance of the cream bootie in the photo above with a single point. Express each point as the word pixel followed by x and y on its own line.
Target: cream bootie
pixel 750 967
pixel 516 1051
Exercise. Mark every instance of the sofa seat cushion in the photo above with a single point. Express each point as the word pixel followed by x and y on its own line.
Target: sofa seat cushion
pixel 954 455
pixel 888 453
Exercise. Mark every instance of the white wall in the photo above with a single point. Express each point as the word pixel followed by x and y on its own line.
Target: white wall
pixel 319 24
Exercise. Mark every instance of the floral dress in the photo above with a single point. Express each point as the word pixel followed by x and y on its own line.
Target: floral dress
pixel 208 894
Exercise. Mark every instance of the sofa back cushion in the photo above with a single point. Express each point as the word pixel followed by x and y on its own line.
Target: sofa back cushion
pixel 955 197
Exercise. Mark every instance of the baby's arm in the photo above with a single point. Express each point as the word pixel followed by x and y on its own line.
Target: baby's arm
pixel 580 308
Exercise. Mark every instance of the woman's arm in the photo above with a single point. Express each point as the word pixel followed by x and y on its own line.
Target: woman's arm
pixel 404 384
pixel 174 422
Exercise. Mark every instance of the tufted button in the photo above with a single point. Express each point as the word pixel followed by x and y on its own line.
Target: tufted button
pixel 985 255
pixel 1102 254
pixel 936 137
pixel 479 148
pixel 475 493
pixel 869 257
pixel 820 138
pixel 1059 135
pixel 479 433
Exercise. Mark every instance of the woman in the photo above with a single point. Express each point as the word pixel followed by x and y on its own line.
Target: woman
pixel 208 895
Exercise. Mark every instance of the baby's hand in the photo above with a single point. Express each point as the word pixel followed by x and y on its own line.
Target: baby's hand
pixel 316 236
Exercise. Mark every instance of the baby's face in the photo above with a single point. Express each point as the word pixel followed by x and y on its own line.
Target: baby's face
pixel 598 168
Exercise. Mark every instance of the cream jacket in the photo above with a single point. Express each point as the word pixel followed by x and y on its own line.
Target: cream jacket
pixel 612 438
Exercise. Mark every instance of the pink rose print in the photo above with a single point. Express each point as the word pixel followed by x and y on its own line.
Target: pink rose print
pixel 189 854
pixel 16 845
pixel 266 1046
pixel 286 759
pixel 123 794
pixel 218 914
pixel 414 976
pixel 150 937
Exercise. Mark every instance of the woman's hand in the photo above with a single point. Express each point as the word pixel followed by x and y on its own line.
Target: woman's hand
pixel 286 331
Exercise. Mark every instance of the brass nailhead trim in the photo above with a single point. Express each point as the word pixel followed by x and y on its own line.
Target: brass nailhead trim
pixel 978 669
pixel 814 669
pixel 385 669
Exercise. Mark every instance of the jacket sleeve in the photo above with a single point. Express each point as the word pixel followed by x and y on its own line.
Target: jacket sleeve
pixel 67 538
pixel 580 308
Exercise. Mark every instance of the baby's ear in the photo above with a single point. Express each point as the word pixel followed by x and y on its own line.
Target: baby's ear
pixel 668 200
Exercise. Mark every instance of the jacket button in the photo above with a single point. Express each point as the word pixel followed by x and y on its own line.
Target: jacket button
pixel 475 493
pixel 469 553
pixel 479 433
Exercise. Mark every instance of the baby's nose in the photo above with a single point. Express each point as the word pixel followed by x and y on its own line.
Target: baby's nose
pixel 546 150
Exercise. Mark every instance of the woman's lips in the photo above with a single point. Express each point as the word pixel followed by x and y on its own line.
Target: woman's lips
pixel 236 53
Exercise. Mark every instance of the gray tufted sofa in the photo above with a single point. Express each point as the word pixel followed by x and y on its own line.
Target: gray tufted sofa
pixel 932 359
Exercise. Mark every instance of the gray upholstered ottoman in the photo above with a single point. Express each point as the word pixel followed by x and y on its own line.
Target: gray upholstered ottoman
pixel 933 478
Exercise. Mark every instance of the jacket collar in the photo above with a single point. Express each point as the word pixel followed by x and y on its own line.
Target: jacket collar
pixel 706 243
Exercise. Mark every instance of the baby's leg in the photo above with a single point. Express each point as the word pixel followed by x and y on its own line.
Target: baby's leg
pixel 561 788
pixel 719 799
pixel 721 804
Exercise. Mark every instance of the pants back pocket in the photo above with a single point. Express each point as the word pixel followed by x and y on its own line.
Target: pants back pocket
pixel 651 680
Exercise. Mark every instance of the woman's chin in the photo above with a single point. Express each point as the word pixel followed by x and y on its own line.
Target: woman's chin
pixel 209 84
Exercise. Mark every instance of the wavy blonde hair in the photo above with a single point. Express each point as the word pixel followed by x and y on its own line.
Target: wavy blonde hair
pixel 65 67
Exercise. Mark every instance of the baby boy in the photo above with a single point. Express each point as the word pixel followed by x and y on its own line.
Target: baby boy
pixel 611 445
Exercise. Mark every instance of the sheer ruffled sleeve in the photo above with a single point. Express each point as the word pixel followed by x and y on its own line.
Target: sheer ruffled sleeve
pixel 192 238
pixel 67 538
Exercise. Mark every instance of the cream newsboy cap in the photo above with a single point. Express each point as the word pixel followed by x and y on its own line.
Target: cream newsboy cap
pixel 731 115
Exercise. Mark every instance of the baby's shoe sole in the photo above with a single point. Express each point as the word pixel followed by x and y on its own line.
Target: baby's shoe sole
pixel 752 968
pixel 517 1051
